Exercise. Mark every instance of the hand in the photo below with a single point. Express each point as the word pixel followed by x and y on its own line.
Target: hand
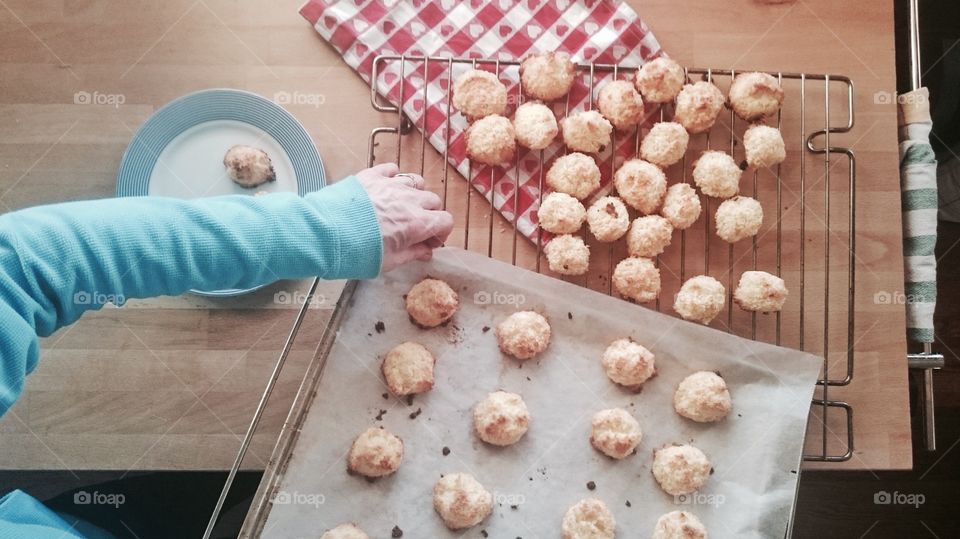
pixel 411 221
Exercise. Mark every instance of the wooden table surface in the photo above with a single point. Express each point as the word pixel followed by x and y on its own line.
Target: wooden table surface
pixel 171 383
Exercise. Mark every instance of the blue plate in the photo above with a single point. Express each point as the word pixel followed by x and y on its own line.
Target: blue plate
pixel 179 151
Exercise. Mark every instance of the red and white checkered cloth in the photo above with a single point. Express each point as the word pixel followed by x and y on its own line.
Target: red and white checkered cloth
pixel 590 31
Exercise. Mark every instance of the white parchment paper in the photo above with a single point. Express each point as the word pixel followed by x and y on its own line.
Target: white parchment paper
pixel 755 451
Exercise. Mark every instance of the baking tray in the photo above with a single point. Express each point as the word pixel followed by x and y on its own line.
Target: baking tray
pixel 756 451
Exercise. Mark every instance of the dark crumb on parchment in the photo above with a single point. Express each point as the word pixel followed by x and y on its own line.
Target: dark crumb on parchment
pixel 369 334
pixel 711 471
pixel 628 503
pixel 793 471
pixel 485 329
pixel 528 378
pixel 385 396
pixel 380 326
pixel 409 400
pixel 591 485
pixel 739 415
pixel 445 451
pixel 484 533
pixel 397 532
pixel 380 415
pixel 413 415
pixel 514 507
pixel 569 316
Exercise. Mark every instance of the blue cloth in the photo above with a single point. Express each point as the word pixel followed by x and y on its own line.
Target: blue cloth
pixel 58 261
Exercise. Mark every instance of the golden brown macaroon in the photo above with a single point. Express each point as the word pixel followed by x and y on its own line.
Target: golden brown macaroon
pixel 535 125
pixel 586 131
pixel 637 279
pixel 660 80
pixel 523 334
pixel 620 103
pixel 248 166
pixel 431 302
pixel 479 93
pixel 642 185
pixel 408 369
pixel 755 95
pixel 491 140
pixel 547 76
pixel 375 453
pixel 575 174
pixel 698 106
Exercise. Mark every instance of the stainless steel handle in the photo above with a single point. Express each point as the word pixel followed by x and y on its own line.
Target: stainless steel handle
pixel 927 362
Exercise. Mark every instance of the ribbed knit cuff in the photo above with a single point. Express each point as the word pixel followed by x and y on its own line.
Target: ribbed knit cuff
pixel 349 209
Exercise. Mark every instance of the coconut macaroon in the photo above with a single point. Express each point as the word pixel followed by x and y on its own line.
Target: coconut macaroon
pixel 681 206
pixel 681 469
pixel 738 218
pixel 640 184
pixel 575 174
pixel 589 518
pixel 501 419
pixel 408 369
pixel 621 104
pixel 431 302
pixel 717 174
pixel 561 213
pixel 248 166
pixel 461 501
pixel 586 131
pixel 700 299
pixel 665 144
pixel 535 125
pixel 547 76
pixel 764 146
pixel 760 291
pixel 702 397
pixel 479 93
pixel 568 255
pixel 698 106
pixel 491 140
pixel 637 279
pixel 755 95
pixel 375 453
pixel 628 363
pixel 660 80
pixel 615 433
pixel 649 236
pixel 345 531
pixel 608 219
pixel 679 525
pixel 523 334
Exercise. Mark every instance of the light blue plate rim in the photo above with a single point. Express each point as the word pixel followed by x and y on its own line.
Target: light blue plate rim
pixel 215 104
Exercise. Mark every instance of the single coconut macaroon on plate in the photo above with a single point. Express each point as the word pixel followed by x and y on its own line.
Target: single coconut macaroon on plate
pixel 179 151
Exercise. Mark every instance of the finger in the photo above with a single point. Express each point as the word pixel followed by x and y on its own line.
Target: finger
pixel 434 242
pixel 425 257
pixel 385 169
pixel 437 224
pixel 413 180
pixel 414 252
pixel 429 200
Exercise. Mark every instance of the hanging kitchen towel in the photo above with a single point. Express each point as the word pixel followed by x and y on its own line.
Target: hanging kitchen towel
pixel 590 31
pixel 918 184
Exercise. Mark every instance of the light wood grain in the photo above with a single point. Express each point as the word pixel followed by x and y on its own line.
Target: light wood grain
pixel 170 383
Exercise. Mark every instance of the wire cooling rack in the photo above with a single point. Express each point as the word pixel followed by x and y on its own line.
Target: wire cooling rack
pixel 810 243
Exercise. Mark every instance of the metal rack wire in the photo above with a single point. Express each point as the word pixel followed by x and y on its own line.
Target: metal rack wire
pixel 836 303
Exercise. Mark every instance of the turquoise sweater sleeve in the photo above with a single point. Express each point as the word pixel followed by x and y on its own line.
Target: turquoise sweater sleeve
pixel 61 260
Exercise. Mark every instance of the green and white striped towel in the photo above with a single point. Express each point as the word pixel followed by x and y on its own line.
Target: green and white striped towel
pixel 918 184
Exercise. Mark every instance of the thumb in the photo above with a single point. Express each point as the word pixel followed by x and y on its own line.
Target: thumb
pixel 385 169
